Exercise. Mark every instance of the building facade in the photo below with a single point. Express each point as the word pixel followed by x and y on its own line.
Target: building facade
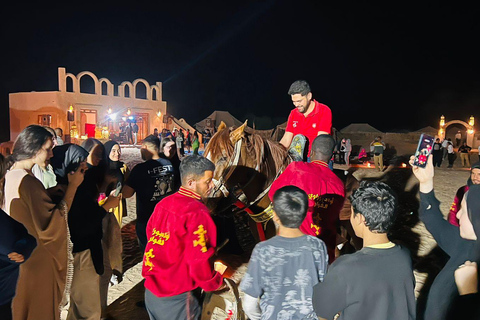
pixel 101 114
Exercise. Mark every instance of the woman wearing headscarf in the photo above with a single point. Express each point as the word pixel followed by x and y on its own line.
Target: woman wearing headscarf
pixel 44 281
pixel 116 172
pixel 460 243
pixel 85 222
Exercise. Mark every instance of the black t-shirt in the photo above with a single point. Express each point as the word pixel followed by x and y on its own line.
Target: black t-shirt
pixel 368 284
pixel 152 181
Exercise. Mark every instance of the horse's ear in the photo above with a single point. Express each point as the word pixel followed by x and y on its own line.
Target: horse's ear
pixel 237 134
pixel 221 126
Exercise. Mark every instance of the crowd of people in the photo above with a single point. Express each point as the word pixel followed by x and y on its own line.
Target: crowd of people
pixel 63 204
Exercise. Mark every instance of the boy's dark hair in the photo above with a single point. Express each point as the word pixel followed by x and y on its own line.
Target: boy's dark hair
pixel 152 140
pixel 377 202
pixel 323 146
pixel 299 86
pixel 195 165
pixel 290 203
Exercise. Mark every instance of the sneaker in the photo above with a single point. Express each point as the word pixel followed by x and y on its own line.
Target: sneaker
pixel 297 148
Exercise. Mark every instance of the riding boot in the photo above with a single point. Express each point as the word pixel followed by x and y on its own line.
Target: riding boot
pixel 298 148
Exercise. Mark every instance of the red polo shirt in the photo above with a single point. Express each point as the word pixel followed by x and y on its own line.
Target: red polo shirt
pixel 326 194
pixel 320 119
pixel 181 240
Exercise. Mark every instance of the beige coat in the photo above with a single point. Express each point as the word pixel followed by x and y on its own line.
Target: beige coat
pixel 44 279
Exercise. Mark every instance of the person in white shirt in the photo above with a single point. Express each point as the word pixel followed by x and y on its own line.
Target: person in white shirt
pixel 444 147
pixel 451 154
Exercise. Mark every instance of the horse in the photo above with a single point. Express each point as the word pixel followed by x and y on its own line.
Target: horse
pixel 246 164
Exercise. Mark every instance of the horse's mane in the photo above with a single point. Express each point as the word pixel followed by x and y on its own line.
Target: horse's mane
pixel 256 144
pixel 220 144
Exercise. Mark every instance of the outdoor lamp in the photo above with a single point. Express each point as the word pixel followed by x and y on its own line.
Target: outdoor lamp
pixel 442 121
pixel 129 111
pixel 109 110
pixel 159 114
pixel 472 121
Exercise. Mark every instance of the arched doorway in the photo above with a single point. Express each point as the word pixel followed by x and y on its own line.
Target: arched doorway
pixel 451 128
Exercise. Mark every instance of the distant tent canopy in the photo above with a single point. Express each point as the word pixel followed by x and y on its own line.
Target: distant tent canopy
pixel 359 128
pixel 429 130
pixel 279 131
pixel 216 118
pixel 182 124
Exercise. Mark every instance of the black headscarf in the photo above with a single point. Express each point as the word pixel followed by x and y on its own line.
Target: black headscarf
pixel 66 158
pixel 113 167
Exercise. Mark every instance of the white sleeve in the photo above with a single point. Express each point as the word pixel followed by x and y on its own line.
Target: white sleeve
pixel 251 307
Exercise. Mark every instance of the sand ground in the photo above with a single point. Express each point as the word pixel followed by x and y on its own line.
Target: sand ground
pixel 123 297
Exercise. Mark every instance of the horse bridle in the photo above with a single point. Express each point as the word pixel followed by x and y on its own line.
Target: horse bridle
pixel 261 217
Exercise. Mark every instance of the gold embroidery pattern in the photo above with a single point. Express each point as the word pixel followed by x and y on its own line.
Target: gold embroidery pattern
pixel 148 263
pixel 201 241
pixel 315 228
pixel 159 237
pixel 323 203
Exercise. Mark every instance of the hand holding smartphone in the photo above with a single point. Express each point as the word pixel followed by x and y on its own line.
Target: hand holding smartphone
pixel 424 149
pixel 118 189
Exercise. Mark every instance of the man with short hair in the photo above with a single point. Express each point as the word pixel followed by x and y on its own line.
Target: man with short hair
pixel 181 242
pixel 464 151
pixel 444 148
pixel 455 207
pixel 129 133
pixel 135 133
pixel 325 191
pixel 376 282
pixel 309 118
pixel 450 154
pixel 378 148
pixel 151 181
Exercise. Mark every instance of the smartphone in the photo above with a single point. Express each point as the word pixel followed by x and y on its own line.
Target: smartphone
pixel 424 149
pixel 118 189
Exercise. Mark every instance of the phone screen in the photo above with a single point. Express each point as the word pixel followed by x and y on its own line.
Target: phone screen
pixel 118 189
pixel 424 148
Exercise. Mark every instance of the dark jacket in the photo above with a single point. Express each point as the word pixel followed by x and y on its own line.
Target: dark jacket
pixel 13 238
pixel 444 290
pixel 85 219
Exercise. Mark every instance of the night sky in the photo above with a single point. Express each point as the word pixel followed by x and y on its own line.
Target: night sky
pixel 395 66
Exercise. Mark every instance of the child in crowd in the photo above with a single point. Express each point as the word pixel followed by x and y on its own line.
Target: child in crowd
pixel 283 270
pixel 376 282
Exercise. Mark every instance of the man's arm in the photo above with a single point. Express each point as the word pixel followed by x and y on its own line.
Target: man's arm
pixel 251 306
pixel 286 139
pixel 127 191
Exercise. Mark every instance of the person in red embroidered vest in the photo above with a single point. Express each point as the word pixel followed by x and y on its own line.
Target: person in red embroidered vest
pixel 181 240
pixel 325 191
pixel 455 207
pixel 309 118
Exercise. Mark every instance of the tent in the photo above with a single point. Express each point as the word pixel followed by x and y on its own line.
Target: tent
pixel 428 130
pixel 359 128
pixel 216 118
pixel 182 124
pixel 279 131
